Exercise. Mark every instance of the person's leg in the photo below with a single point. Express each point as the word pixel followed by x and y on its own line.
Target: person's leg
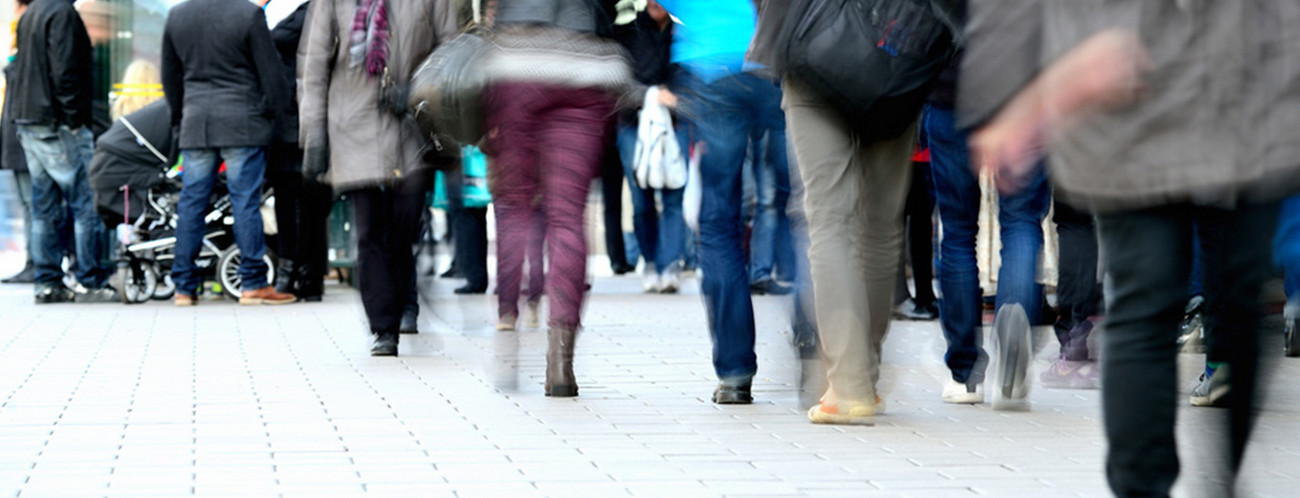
pixel 762 236
pixel 645 219
pixel 288 206
pixel 957 195
pixel 47 158
pixel 1148 257
pixel 672 230
pixel 380 287
pixel 471 247
pixel 89 233
pixel 854 199
pixel 197 178
pixel 536 256
pixel 1020 216
pixel 1077 292
pixel 513 173
pixel 723 126
pixel 245 168
pixel 24 180
pixel 313 230
pixel 920 234
pixel 611 182
pixel 576 120
pixel 1235 271
pixel 1286 249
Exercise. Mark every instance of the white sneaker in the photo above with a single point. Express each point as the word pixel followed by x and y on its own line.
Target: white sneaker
pixel 649 279
pixel 668 282
pixel 963 394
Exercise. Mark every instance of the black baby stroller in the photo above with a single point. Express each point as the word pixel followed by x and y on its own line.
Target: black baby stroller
pixel 137 189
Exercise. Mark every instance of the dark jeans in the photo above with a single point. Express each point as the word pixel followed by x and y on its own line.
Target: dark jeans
pixel 1078 293
pixel 388 223
pixel 919 217
pixel 770 245
pixel 1149 256
pixel 245 167
pixel 660 237
pixel 724 111
pixel 58 159
pixel 957 192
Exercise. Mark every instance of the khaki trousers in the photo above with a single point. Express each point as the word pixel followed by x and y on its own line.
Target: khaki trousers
pixel 855 193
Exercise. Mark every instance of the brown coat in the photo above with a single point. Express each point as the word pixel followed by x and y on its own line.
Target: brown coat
pixel 368 145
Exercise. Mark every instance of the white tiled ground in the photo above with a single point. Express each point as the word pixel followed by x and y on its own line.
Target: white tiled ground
pixel 223 400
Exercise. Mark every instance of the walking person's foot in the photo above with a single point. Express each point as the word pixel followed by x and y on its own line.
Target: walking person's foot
pixel 385 344
pixel 737 392
pixel 1213 388
pixel 100 295
pixel 846 412
pixel 470 289
pixel 55 294
pixel 410 323
pixel 911 310
pixel 184 300
pixel 769 286
pixel 1067 374
pixel 1011 327
pixel 963 393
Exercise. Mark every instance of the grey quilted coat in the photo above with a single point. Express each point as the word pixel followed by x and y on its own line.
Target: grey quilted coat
pixel 368 145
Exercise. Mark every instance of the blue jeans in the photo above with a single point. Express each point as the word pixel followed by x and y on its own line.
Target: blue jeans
pixel 245 167
pixel 659 237
pixel 770 245
pixel 723 112
pixel 1286 246
pixel 957 193
pixel 59 161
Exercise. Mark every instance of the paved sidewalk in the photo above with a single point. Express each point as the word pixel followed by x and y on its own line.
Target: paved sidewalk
pixel 226 400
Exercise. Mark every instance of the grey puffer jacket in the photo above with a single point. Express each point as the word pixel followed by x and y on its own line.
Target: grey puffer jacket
pixel 1217 125
pixel 340 106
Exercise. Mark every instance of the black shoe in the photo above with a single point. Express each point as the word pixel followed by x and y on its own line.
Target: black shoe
pixel 623 269
pixel 101 295
pixel 26 276
pixel 286 277
pixel 910 310
pixel 385 344
pixel 55 294
pixel 770 286
pixel 410 323
pixel 733 394
pixel 450 273
pixel 472 289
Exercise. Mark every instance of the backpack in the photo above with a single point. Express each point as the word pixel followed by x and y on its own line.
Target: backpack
pixel 874 60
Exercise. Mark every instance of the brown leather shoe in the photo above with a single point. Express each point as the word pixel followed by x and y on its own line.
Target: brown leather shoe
pixel 265 295
pixel 184 300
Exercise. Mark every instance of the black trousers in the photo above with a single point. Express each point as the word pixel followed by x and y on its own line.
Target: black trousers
pixel 1078 293
pixel 302 209
pixel 472 245
pixel 388 224
pixel 1149 256
pixel 611 183
pixel 918 215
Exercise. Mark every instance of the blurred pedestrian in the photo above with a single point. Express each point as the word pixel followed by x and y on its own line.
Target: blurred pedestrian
pixel 357 59
pixel 547 111
pixel 51 106
pixel 1155 131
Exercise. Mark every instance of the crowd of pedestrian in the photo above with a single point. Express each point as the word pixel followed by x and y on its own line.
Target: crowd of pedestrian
pixel 1157 133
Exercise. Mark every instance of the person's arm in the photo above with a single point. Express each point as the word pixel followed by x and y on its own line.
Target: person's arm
pixel 68 41
pixel 173 76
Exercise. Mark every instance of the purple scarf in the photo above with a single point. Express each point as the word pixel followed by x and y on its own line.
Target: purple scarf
pixel 369 38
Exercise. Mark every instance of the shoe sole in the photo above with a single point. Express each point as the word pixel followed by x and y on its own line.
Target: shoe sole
pixel 1218 398
pixel 733 399
pixel 1293 340
pixel 965 399
pixel 816 416
pixel 374 352
pixel 1011 326
pixel 562 391
pixel 251 301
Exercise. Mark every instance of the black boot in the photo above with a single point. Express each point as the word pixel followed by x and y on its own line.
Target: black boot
pixel 560 382
pixel 410 322
pixel 286 277
pixel 385 344
pixel 26 276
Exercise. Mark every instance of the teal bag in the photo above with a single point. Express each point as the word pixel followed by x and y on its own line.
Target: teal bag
pixel 474 189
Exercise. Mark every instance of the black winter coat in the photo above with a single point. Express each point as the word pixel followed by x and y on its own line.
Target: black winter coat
pixel 52 81
pixel 223 80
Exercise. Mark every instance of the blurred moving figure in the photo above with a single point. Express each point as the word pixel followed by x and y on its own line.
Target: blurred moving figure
pixel 1158 114
pixel 356 59
pixel 547 112
pixel 51 105
pixel 724 102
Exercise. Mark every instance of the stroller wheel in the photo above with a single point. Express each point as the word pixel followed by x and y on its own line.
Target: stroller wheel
pixel 228 271
pixel 166 288
pixel 138 282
